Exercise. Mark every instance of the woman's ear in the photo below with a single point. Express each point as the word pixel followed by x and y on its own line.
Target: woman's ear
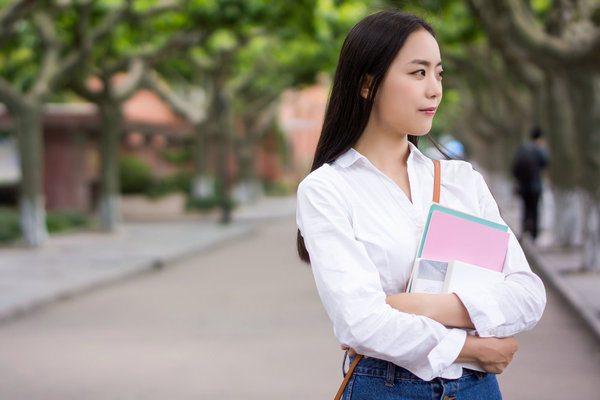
pixel 366 86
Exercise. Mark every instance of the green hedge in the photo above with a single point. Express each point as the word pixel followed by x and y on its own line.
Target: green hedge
pixel 210 203
pixel 180 182
pixel 279 188
pixel 135 174
pixel 10 229
pixel 65 220
pixel 178 156
pixel 9 225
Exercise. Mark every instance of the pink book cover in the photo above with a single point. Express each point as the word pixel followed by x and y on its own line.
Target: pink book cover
pixel 450 237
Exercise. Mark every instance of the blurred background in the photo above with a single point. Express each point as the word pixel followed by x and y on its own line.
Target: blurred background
pixel 119 119
pixel 215 103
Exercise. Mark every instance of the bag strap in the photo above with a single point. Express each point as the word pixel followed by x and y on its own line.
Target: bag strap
pixel 338 396
pixel 436 180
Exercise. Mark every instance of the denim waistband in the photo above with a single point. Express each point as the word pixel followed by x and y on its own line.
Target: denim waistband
pixel 385 369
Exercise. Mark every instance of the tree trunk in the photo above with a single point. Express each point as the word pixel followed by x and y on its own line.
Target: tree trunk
pixel 560 127
pixel 563 168
pixel 591 238
pixel 112 127
pixel 223 143
pixel 28 119
pixel 568 217
pixel 585 102
pixel 203 185
pixel 248 188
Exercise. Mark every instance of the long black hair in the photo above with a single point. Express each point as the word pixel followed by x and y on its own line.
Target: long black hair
pixel 367 53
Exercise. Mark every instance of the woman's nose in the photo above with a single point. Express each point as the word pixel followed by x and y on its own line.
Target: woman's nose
pixel 434 87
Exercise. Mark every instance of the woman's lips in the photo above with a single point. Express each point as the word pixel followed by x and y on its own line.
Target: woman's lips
pixel 428 111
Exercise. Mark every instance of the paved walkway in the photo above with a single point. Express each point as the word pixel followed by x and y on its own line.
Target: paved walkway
pixel 69 264
pixel 241 321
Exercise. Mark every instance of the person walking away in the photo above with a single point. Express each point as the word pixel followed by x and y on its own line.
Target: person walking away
pixel 530 159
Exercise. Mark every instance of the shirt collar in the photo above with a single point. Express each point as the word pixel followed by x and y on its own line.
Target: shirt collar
pixel 348 158
pixel 416 153
pixel 352 156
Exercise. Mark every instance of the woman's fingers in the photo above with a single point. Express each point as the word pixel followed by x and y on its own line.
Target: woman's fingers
pixel 351 352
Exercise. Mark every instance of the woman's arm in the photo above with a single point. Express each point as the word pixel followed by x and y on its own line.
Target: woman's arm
pixel 447 309
pixel 492 354
pixel 499 310
pixel 350 288
pixel 515 305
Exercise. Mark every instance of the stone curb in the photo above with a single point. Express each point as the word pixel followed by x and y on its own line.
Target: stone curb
pixel 105 278
pixel 565 290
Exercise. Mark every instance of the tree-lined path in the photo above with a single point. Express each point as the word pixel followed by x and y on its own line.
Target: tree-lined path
pixel 242 321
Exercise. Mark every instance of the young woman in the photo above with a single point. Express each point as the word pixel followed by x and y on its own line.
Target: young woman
pixel 361 212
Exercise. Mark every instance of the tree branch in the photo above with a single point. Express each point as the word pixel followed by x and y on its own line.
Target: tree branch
pixel 260 101
pixel 262 121
pixel 176 44
pixel 537 40
pixel 51 57
pixel 45 27
pixel 78 86
pixel 202 65
pixel 87 42
pixel 8 95
pixel 132 83
pixel 178 104
pixel 510 23
pixel 109 23
pixel 12 13
pixel 83 22
pixel 165 6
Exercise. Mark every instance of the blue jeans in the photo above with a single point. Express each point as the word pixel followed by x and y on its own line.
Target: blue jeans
pixel 381 380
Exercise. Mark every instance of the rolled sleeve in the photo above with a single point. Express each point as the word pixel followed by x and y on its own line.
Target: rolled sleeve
pixel 448 349
pixel 483 308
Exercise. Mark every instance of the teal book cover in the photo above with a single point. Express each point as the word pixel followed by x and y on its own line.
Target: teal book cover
pixel 455 235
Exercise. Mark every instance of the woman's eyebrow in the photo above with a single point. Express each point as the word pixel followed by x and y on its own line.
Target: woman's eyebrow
pixel 424 62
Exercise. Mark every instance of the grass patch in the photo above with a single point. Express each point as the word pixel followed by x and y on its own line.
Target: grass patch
pixel 58 221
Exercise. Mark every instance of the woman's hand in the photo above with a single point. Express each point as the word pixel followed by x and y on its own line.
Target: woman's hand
pixel 492 354
pixel 351 351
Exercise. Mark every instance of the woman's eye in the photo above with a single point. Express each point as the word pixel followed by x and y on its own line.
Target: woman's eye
pixel 441 74
pixel 420 72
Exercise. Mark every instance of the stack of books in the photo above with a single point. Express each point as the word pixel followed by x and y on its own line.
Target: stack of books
pixel 458 250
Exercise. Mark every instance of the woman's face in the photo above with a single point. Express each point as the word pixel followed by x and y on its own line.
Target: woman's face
pixel 411 89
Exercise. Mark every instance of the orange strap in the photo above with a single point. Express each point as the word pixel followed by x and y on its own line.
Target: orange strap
pixel 436 181
pixel 338 396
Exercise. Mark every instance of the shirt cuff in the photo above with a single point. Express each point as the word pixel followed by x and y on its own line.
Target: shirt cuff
pixel 484 310
pixel 446 352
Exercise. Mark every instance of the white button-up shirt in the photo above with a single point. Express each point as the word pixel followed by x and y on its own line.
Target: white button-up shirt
pixel 362 233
